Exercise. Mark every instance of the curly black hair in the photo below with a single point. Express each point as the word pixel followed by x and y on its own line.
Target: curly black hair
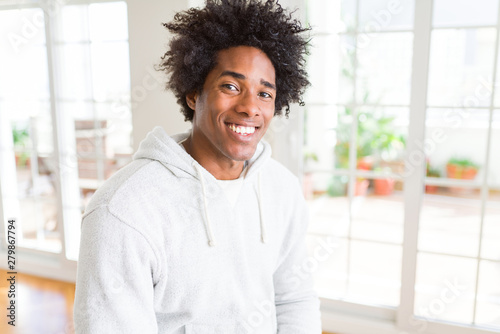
pixel 199 34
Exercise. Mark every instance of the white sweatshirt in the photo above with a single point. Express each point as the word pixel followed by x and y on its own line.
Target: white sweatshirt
pixel 163 251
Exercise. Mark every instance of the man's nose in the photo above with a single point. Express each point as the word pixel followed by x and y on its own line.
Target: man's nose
pixel 248 104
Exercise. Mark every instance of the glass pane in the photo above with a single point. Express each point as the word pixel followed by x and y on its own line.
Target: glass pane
pixel 74 72
pixel 39 224
pixel 80 110
pixel 74 23
pixel 381 138
pixel 23 60
pixel 488 299
pixel 444 288
pixel 384 68
pixel 118 129
pixel 490 246
pixel 22 27
pixel 380 15
pixel 346 70
pixel 455 145
pixel 324 52
pixel 329 214
pixel 448 13
pixel 319 137
pixel 450 225
pixel 370 218
pixel 375 273
pixel 494 170
pixel 324 16
pixel 110 70
pixel 491 228
pixel 347 15
pixel 100 16
pixel 328 263
pixel 342 136
pixel 36 181
pixel 24 73
pixel 460 62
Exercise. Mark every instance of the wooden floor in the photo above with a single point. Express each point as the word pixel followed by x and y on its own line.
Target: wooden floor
pixel 43 306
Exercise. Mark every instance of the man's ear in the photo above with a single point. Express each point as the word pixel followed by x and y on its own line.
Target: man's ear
pixel 191 99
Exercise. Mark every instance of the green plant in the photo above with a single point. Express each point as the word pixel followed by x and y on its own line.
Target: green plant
pixel 376 136
pixel 337 186
pixel 20 137
pixel 310 156
pixel 462 162
pixel 433 171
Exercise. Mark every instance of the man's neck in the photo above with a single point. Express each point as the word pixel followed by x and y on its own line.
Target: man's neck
pixel 221 167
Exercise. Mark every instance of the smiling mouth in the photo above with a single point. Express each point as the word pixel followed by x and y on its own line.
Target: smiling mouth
pixel 241 130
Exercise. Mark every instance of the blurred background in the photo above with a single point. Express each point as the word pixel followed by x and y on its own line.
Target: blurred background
pixel 397 147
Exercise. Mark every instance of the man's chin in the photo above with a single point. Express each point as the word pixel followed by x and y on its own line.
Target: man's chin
pixel 242 155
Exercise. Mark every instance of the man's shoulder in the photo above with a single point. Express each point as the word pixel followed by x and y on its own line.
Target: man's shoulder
pixel 125 184
pixel 279 175
pixel 279 170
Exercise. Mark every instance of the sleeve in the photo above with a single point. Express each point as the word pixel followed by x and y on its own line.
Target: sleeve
pixel 297 304
pixel 114 285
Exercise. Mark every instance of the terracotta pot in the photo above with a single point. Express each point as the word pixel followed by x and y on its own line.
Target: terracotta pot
pixel 384 187
pixel 459 172
pixel 365 163
pixel 453 171
pixel 469 173
pixel 23 162
pixel 361 187
pixel 431 189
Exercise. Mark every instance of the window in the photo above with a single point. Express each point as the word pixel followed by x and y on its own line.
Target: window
pixel 401 164
pixel 65 115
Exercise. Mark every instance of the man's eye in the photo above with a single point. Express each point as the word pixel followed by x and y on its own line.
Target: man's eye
pixel 265 95
pixel 230 87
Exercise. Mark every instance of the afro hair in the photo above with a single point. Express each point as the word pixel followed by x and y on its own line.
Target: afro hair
pixel 199 34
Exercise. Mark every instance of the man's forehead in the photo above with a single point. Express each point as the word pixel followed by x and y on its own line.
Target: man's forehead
pixel 245 62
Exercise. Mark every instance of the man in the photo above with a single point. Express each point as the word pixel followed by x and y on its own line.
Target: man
pixel 203 232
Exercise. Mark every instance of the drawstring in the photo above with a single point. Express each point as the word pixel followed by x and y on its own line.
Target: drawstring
pixel 208 226
pixel 263 234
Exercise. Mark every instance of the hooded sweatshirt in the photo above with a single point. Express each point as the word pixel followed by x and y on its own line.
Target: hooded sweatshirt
pixel 164 251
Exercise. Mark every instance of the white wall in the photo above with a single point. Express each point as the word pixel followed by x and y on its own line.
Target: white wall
pixel 152 105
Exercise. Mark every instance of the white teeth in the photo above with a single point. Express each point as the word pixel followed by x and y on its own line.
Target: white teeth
pixel 242 129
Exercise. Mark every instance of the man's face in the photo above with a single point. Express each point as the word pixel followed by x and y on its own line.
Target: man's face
pixel 234 110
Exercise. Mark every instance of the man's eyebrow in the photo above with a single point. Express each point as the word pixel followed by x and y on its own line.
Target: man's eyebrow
pixel 267 84
pixel 233 74
pixel 237 75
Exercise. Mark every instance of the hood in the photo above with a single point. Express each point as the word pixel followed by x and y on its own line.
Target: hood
pixel 165 149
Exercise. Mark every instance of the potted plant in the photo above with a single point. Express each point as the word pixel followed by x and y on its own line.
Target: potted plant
pixel 20 138
pixel 378 142
pixel 432 172
pixel 461 168
pixel 385 186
